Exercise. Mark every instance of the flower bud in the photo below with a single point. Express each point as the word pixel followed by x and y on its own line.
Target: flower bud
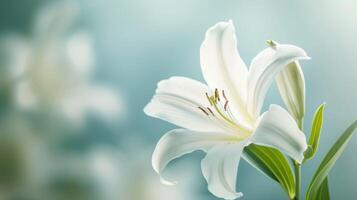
pixel 291 85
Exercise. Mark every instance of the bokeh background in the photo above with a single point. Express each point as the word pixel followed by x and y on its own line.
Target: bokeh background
pixel 75 76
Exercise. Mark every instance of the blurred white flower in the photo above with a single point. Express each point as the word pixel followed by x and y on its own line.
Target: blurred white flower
pixel 127 175
pixel 52 68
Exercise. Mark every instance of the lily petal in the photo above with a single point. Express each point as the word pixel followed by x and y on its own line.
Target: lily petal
pixel 178 142
pixel 264 68
pixel 276 128
pixel 222 66
pixel 177 100
pixel 220 167
pixel 291 85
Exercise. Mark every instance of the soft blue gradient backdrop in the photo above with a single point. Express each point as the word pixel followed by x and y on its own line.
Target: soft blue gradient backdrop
pixel 140 42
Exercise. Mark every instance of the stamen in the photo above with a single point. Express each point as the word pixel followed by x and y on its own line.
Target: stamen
pixel 224 95
pixel 209 99
pixel 210 111
pixel 225 105
pixel 216 94
pixel 203 110
pixel 224 113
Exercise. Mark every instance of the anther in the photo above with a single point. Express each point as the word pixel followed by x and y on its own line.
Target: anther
pixel 224 95
pixel 209 99
pixel 216 94
pixel 210 111
pixel 203 110
pixel 226 105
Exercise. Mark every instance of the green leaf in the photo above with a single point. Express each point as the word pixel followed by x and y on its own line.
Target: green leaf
pixel 273 164
pixel 315 131
pixel 328 162
pixel 323 193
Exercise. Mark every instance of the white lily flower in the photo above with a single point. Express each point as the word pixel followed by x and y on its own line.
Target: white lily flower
pixel 223 117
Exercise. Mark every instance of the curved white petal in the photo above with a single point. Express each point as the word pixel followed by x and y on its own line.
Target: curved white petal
pixel 264 68
pixel 177 100
pixel 220 167
pixel 291 85
pixel 222 66
pixel 278 129
pixel 178 142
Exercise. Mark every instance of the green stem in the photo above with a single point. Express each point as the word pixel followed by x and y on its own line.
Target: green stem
pixel 297 169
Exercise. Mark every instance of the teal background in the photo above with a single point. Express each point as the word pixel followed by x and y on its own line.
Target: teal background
pixel 140 42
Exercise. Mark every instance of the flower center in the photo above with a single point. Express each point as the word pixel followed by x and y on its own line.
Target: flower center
pixel 219 110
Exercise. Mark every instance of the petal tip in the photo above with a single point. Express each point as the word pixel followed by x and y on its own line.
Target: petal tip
pixel 168 183
pixel 230 22
pixel 157 169
pixel 220 26
pixel 226 196
pixel 303 55
pixel 147 109
pixel 300 157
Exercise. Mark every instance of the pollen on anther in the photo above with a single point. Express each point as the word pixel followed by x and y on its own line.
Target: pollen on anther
pixel 203 110
pixel 216 94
